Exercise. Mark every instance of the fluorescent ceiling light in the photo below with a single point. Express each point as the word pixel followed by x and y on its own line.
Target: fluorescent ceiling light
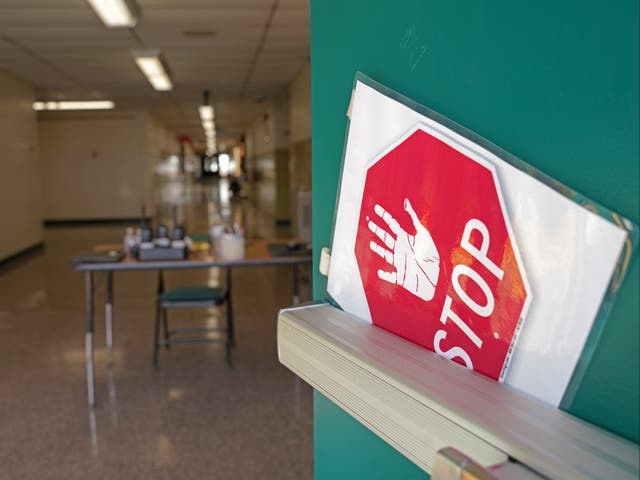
pixel 116 13
pixel 209 127
pixel 206 117
pixel 153 67
pixel 206 112
pixel 75 105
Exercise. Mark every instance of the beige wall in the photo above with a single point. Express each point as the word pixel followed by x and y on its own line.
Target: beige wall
pixel 282 133
pixel 20 184
pixel 300 158
pixel 300 104
pixel 161 142
pixel 97 165
pixel 260 144
pixel 260 136
pixel 279 148
pixel 300 95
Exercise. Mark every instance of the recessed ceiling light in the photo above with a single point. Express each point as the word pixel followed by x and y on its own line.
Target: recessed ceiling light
pixel 116 13
pixel 154 68
pixel 74 105
pixel 206 112
pixel 206 117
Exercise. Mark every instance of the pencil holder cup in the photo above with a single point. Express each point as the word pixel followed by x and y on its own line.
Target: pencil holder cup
pixel 232 246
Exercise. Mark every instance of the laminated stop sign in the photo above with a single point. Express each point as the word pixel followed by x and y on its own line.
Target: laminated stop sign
pixel 436 254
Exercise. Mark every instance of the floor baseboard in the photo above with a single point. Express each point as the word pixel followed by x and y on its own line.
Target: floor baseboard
pixel 21 255
pixel 71 222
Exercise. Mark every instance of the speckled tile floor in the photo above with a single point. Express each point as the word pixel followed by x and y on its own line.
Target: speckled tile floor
pixel 194 418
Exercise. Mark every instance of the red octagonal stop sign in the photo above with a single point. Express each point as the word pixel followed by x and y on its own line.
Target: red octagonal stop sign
pixel 438 261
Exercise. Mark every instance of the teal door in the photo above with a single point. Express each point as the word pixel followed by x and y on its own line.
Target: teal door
pixel 555 83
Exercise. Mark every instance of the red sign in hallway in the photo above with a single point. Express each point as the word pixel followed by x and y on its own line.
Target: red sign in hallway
pixel 436 254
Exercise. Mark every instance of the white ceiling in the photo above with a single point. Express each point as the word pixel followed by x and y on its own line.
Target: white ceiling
pixel 257 48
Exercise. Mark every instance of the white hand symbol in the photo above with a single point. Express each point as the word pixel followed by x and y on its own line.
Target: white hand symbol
pixel 415 257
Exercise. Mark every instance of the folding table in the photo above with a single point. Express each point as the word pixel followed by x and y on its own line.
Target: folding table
pixel 256 254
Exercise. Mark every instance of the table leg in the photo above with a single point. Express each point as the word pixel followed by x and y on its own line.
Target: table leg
pixel 111 385
pixel 230 326
pixel 93 431
pixel 296 292
pixel 108 315
pixel 165 320
pixel 88 276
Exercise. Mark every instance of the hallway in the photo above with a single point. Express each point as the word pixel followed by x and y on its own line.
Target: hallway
pixel 194 417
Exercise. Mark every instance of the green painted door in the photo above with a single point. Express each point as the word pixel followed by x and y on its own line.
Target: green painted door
pixel 555 83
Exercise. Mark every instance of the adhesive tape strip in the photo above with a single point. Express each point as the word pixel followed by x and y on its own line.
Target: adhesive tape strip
pixel 325 261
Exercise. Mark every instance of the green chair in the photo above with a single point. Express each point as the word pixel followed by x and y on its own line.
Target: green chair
pixel 190 297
